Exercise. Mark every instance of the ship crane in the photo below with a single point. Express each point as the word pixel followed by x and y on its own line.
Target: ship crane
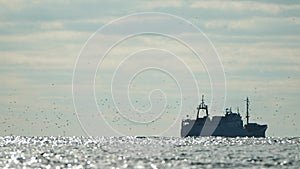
pixel 202 106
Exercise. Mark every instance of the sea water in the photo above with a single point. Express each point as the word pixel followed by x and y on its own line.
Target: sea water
pixel 148 152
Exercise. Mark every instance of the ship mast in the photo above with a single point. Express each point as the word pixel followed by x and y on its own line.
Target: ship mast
pixel 202 106
pixel 247 109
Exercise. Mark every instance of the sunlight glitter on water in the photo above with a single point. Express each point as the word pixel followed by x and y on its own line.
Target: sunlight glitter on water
pixel 148 152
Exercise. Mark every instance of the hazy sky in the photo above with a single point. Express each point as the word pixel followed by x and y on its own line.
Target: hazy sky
pixel 258 44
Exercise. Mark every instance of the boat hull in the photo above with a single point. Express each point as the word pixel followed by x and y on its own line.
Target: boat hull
pixel 207 128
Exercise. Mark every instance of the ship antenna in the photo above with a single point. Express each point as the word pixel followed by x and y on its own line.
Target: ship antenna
pixel 247 109
pixel 198 109
pixel 205 107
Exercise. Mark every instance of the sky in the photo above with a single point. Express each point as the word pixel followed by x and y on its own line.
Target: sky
pixel 61 75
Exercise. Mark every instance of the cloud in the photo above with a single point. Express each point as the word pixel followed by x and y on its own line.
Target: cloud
pixel 9 58
pixel 267 59
pixel 150 5
pixel 13 4
pixel 252 23
pixel 52 25
pixel 59 35
pixel 243 6
pixel 39 41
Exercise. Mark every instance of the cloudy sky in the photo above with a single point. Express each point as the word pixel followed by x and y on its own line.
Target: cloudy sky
pixel 257 44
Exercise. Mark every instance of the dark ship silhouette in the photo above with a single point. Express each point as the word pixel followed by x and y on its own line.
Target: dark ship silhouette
pixel 230 125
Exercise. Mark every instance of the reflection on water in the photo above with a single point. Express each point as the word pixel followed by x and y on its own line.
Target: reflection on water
pixel 148 152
